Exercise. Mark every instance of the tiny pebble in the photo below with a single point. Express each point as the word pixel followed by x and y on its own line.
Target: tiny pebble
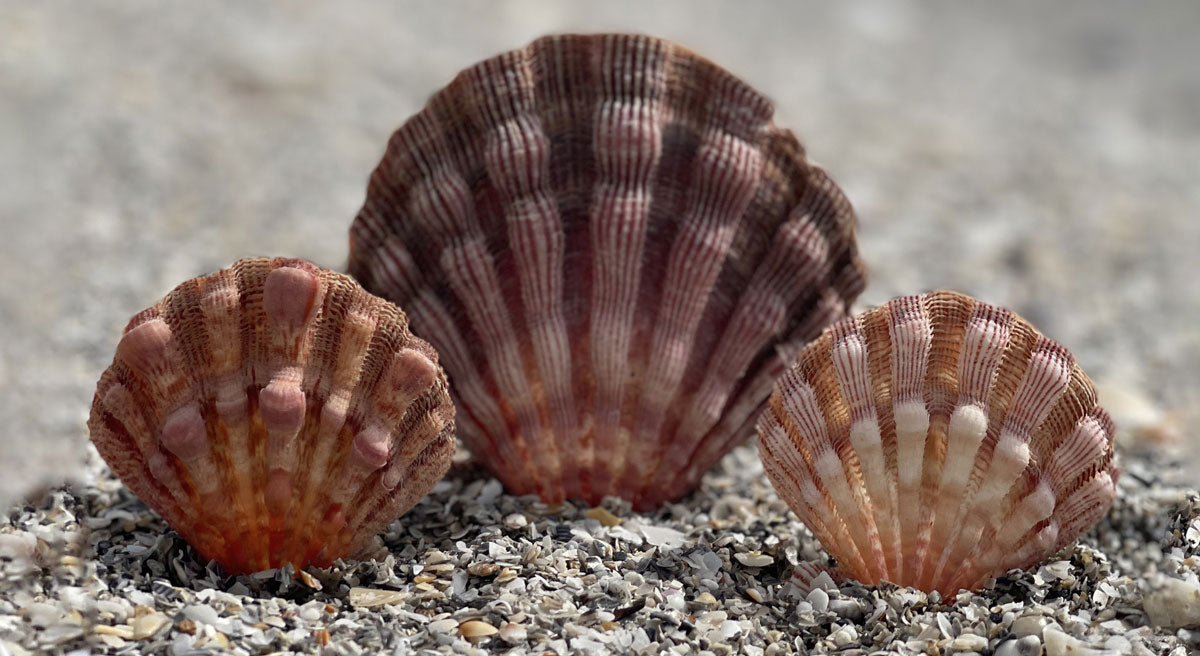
pixel 843 636
pixel 661 536
pixel 147 626
pixel 477 630
pixel 1058 643
pixel 1029 625
pixel 754 559
pixel 1027 646
pixel 120 630
pixel 443 626
pixel 1174 604
pixel 482 568
pixel 603 516
pixel 819 599
pixel 374 598
pixel 969 642
pixel 42 615
pixel 312 611
pixel 512 633
pixel 308 579
pixel 201 614
pixel 706 599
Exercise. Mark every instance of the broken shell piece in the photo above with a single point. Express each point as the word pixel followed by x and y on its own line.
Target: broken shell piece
pixel 936 441
pixel 274 412
pixel 616 253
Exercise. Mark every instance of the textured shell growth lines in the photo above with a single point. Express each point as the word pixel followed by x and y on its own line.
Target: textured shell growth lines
pixel 274 412
pixel 615 251
pixel 936 441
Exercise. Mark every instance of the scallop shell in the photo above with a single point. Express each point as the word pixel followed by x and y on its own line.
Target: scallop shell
pixel 936 441
pixel 615 251
pixel 274 412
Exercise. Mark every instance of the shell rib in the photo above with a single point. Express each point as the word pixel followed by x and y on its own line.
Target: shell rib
pixel 274 412
pixel 936 441
pixel 615 251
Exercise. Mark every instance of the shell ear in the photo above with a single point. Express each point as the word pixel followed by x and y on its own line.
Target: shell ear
pixel 244 405
pixel 936 441
pixel 607 240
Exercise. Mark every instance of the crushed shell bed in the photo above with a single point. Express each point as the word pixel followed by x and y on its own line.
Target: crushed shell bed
pixel 473 570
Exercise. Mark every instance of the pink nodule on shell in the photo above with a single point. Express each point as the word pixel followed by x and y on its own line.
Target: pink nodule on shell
pixel 936 441
pixel 615 252
pixel 274 412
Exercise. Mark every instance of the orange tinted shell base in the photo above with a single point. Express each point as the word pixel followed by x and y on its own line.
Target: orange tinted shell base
pixel 274 412
pixel 936 441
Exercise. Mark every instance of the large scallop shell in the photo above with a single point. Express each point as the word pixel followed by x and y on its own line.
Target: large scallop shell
pixel 936 441
pixel 274 412
pixel 614 250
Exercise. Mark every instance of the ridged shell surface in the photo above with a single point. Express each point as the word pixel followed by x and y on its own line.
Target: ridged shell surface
pixel 615 252
pixel 936 441
pixel 274 412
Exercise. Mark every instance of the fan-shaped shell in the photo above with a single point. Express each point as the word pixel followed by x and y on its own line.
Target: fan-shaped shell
pixel 614 250
pixel 274 412
pixel 936 441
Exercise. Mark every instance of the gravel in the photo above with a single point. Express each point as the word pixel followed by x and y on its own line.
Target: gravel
pixel 472 570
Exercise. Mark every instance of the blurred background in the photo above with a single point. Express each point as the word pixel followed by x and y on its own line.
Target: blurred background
pixel 1046 158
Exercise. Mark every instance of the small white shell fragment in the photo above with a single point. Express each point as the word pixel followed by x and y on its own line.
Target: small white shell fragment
pixel 1059 643
pixel 753 559
pixel 819 599
pixel 602 515
pixel 1027 646
pixel 661 536
pixel 375 597
pixel 147 626
pixel 443 626
pixel 513 633
pixel 1174 604
pixel 515 520
pixel 17 554
pixel 477 630
pixel 1029 625
pixel 969 642
pixel 312 611
pixel 122 631
pixel 42 615
pixel 201 614
pixel 482 568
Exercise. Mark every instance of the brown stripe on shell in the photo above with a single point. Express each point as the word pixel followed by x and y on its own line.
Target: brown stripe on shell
pixel 615 252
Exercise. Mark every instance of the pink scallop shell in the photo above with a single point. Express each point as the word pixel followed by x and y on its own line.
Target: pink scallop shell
pixel 936 441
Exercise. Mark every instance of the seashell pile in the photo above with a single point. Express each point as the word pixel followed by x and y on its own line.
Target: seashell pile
pixel 274 412
pixel 936 441
pixel 616 253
